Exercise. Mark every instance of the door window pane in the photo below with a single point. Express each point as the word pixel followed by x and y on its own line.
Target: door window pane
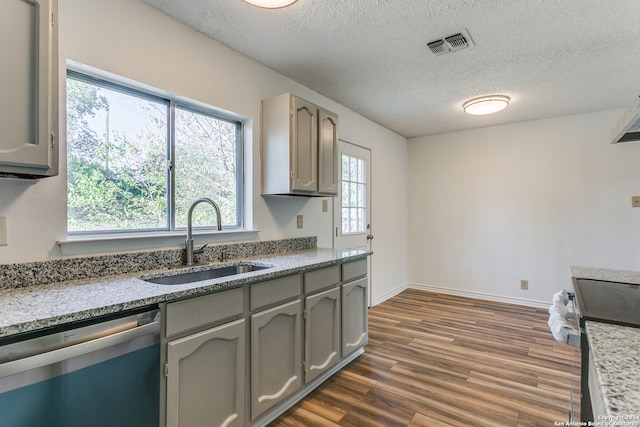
pixel 353 198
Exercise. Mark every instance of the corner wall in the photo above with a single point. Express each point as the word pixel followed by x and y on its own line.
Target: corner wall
pixel 135 41
pixel 493 206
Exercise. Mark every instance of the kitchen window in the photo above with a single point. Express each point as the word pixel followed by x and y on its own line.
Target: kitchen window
pixel 137 159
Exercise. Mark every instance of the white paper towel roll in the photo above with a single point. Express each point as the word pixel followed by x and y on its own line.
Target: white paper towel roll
pixel 558 316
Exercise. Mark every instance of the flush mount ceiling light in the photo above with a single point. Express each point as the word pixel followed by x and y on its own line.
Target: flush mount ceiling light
pixel 271 4
pixel 486 105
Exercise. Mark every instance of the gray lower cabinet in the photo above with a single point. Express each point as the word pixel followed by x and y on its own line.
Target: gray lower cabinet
pixel 355 330
pixel 276 347
pixel 207 376
pixel 322 332
pixel 237 357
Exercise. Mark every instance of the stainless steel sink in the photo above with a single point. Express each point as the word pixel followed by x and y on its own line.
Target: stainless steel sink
pixel 213 273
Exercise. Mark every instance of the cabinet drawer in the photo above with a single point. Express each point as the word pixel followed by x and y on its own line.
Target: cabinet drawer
pixel 321 279
pixel 274 291
pixel 205 310
pixel 354 269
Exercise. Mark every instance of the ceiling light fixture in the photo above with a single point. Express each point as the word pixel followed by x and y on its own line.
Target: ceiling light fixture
pixel 271 4
pixel 486 105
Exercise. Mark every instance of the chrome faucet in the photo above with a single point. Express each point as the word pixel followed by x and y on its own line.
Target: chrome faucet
pixel 189 241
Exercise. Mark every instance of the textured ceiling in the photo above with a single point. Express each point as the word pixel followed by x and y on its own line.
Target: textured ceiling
pixel 552 57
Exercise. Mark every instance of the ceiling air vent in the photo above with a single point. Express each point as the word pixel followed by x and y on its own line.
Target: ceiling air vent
pixel 452 43
pixel 438 47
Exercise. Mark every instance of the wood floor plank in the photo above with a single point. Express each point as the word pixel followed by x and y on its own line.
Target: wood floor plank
pixel 421 420
pixel 444 407
pixel 306 417
pixel 444 360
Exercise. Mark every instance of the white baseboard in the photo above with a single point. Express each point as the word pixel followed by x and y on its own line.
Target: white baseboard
pixel 392 293
pixel 480 295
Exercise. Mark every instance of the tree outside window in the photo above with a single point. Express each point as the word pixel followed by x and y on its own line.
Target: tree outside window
pixel 136 161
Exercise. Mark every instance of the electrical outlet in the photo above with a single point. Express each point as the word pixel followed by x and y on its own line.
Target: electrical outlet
pixel 635 201
pixel 299 221
pixel 325 205
pixel 524 284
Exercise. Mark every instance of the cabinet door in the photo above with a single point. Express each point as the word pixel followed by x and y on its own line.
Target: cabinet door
pixel 28 84
pixel 304 146
pixel 205 381
pixel 328 163
pixel 322 332
pixel 354 316
pixel 276 347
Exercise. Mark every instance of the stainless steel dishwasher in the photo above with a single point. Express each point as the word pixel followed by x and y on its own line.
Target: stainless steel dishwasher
pixel 103 374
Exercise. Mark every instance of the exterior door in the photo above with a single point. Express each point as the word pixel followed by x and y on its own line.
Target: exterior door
pixel 352 207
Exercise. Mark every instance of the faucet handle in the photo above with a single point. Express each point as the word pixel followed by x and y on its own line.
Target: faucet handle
pixel 199 251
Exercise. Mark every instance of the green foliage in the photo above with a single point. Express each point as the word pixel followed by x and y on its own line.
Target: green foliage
pixel 82 103
pixel 117 162
pixel 205 167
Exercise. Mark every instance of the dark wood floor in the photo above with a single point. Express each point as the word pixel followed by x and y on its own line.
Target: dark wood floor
pixel 440 360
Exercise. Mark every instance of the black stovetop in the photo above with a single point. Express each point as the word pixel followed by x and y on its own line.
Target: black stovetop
pixel 608 302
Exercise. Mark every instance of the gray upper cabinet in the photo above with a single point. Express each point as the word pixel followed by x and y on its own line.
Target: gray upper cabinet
pixel 304 146
pixel 29 88
pixel 328 164
pixel 299 148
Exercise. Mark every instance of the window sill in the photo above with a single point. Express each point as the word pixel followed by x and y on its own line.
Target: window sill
pixel 100 244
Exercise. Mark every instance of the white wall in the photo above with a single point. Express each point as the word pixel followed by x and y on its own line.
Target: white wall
pixel 490 207
pixel 130 39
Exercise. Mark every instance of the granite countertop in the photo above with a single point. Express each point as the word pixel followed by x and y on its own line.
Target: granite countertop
pixel 617 361
pixel 26 309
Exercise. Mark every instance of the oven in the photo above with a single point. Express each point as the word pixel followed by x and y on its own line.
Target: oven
pixel 603 301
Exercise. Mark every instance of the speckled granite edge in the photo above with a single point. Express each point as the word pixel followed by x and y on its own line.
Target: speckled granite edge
pixel 17 275
pixel 615 354
pixel 32 308
pixel 606 274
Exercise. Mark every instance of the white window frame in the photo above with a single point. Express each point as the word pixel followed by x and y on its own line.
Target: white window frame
pixel 104 79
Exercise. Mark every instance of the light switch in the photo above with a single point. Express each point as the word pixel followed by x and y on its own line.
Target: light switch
pixel 325 205
pixel 635 202
pixel 3 231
